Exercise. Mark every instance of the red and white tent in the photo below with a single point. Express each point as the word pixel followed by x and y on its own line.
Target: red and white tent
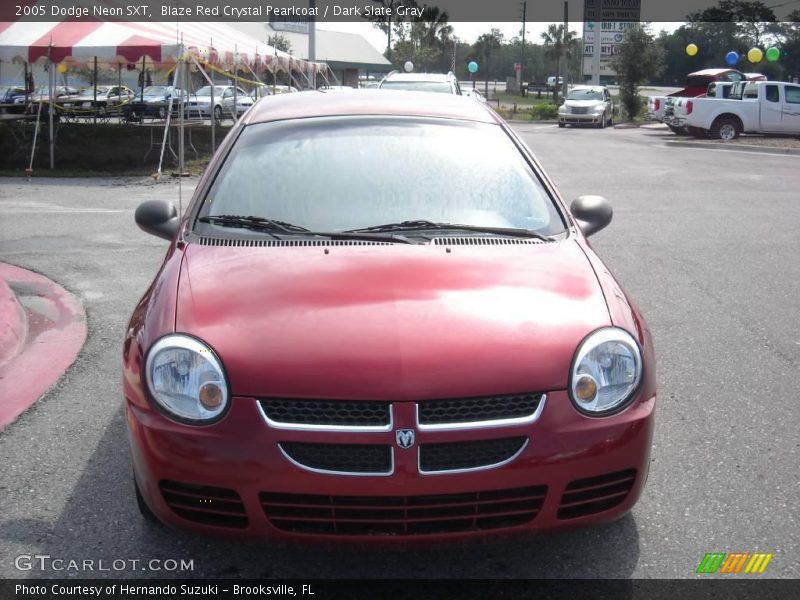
pixel 163 43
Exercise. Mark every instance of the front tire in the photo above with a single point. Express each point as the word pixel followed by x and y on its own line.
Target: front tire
pixel 562 125
pixel 218 114
pixel 726 129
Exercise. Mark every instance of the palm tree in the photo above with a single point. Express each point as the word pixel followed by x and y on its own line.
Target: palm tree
pixel 484 46
pixel 431 33
pixel 558 42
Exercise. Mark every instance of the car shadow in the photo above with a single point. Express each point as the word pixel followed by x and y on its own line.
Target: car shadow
pixel 101 522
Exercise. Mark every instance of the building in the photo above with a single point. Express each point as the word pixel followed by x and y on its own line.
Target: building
pixel 348 55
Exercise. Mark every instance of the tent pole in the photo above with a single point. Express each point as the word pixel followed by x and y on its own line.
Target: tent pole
pixel 141 89
pixel 185 78
pixel 50 111
pixel 235 82
pixel 94 81
pixel 119 88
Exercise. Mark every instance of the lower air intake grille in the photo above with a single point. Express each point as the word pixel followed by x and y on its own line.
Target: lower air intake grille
pixel 456 456
pixel 367 459
pixel 476 410
pixel 338 413
pixel 203 504
pixel 593 495
pixel 403 515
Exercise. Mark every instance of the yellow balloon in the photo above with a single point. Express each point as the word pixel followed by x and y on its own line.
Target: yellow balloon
pixel 691 49
pixel 755 55
pixel 62 68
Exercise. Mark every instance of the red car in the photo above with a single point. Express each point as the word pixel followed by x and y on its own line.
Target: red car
pixel 378 318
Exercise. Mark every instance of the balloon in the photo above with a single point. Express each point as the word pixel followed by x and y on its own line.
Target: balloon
pixel 409 66
pixel 731 58
pixel 691 49
pixel 773 54
pixel 62 68
pixel 472 66
pixel 755 55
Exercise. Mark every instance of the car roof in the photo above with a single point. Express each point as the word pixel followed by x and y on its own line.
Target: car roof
pixel 369 102
pixel 595 88
pixel 419 77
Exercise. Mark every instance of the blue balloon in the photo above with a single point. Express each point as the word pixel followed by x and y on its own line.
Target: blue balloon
pixel 731 58
pixel 472 66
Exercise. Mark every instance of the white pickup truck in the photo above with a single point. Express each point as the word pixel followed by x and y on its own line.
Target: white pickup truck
pixel 752 107
pixel 675 112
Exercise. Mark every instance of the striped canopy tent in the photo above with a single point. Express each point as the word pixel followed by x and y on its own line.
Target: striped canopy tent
pixel 160 43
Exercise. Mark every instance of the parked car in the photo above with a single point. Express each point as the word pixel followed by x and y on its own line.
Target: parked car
pixel 107 97
pixel 551 82
pixel 776 109
pixel 675 112
pixel 42 96
pixel 8 97
pixel 444 357
pixel 443 83
pixel 223 106
pixel 695 86
pixel 587 105
pixel 154 101
pixel 473 93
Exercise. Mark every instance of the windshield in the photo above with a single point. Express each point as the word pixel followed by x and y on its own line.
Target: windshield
pixel 156 90
pixel 206 91
pixel 340 173
pixel 585 95
pixel 441 87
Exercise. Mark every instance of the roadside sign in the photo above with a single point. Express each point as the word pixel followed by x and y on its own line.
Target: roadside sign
pixel 608 20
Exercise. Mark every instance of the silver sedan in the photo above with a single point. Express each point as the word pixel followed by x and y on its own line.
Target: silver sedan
pixel 587 105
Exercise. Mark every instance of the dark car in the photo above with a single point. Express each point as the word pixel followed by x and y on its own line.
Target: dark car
pixel 432 352
pixel 154 101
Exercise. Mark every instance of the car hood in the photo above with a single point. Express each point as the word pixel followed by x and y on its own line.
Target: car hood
pixel 391 321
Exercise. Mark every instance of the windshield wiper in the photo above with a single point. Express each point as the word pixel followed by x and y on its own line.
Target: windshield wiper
pixel 274 226
pixel 423 225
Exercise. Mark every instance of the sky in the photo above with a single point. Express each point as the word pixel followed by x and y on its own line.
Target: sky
pixel 469 32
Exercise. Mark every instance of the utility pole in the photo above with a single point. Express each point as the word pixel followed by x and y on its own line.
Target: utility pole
pixel 565 65
pixel 522 49
pixel 312 41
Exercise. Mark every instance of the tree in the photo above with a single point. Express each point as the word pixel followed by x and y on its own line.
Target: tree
pixel 638 59
pixel 558 42
pixel 386 16
pixel 279 41
pixel 484 46
pixel 424 39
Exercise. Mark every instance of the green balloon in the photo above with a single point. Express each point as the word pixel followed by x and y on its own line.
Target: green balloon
pixel 773 54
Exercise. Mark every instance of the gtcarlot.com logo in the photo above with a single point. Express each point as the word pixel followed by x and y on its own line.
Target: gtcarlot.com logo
pixel 45 562
pixel 734 563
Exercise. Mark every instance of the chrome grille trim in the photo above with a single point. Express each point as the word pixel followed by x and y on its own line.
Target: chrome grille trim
pixel 472 469
pixel 348 473
pixel 333 428
pixel 484 424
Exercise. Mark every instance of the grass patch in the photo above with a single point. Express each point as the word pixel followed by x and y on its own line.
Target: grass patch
pixel 87 150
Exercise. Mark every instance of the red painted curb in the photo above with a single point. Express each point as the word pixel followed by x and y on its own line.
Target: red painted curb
pixel 13 324
pixel 56 331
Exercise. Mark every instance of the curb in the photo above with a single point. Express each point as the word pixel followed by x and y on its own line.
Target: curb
pixel 740 147
pixel 13 324
pixel 54 335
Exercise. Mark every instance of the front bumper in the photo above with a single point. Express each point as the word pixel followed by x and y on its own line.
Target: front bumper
pixel 588 119
pixel 574 470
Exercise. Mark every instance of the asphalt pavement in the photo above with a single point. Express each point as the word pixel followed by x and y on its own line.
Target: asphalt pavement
pixel 705 242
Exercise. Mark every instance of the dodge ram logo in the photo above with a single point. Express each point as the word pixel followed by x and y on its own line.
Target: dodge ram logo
pixel 405 437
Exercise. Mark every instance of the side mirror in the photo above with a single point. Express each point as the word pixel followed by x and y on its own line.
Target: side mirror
pixel 158 217
pixel 592 213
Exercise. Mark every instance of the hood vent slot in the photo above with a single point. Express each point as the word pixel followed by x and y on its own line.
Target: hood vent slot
pixel 483 241
pixel 273 243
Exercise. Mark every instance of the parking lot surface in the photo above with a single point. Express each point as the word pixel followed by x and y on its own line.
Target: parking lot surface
pixel 705 241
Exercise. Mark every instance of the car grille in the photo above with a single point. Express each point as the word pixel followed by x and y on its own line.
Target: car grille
pixel 477 410
pixel 579 110
pixel 363 459
pixel 403 515
pixel 204 504
pixel 456 456
pixel 327 413
pixel 596 494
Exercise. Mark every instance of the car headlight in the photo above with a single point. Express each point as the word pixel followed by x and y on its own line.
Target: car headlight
pixel 606 371
pixel 563 108
pixel 186 379
pixel 599 109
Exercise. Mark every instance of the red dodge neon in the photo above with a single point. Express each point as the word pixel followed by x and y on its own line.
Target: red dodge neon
pixel 378 318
